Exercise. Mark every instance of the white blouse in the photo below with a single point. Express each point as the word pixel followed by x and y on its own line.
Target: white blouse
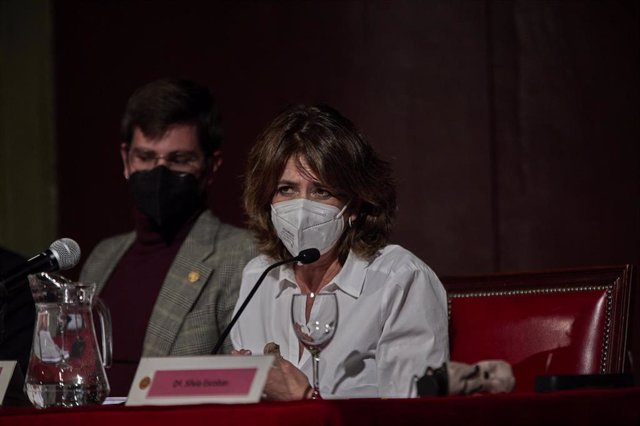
pixel 392 323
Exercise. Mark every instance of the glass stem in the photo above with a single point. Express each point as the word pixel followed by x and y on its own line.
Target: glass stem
pixel 316 385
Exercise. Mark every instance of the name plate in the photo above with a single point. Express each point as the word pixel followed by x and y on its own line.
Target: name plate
pixel 6 373
pixel 199 380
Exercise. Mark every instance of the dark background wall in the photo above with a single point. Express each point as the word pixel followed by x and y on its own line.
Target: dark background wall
pixel 513 126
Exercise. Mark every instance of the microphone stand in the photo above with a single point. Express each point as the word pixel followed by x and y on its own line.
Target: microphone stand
pixel 305 256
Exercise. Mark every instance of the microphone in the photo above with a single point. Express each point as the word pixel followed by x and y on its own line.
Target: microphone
pixel 62 254
pixel 307 256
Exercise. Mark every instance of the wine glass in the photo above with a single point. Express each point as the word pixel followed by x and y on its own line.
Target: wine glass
pixel 314 317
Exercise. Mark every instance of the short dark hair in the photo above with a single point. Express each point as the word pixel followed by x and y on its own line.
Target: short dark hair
pixel 340 158
pixel 163 103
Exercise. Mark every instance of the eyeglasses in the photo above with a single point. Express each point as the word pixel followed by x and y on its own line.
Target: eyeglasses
pixel 179 161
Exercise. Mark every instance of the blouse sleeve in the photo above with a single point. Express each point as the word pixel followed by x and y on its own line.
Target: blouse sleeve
pixel 414 334
pixel 236 332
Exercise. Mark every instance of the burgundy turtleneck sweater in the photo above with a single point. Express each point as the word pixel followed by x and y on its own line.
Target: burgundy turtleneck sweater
pixel 131 292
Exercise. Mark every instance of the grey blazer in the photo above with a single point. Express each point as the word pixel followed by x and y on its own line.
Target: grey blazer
pixel 199 293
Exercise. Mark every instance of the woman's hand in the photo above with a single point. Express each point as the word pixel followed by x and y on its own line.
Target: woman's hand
pixel 285 382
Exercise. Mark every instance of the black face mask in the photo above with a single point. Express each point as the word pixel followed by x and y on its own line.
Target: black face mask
pixel 166 197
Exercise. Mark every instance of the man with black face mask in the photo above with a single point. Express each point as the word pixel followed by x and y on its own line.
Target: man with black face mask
pixel 171 284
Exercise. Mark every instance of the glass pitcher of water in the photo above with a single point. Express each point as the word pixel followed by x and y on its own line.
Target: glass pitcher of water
pixel 66 368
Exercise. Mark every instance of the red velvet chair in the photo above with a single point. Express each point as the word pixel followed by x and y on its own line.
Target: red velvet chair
pixel 543 323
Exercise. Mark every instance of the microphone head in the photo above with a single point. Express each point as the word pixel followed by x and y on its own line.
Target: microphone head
pixel 66 251
pixel 309 255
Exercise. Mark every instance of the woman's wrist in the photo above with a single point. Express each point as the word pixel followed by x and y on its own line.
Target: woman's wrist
pixel 307 392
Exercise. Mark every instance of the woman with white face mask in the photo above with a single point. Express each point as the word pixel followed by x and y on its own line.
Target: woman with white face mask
pixel 313 182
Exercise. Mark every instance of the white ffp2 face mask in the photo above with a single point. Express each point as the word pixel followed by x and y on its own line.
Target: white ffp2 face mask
pixel 303 224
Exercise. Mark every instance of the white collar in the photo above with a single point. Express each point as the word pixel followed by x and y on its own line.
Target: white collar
pixel 350 278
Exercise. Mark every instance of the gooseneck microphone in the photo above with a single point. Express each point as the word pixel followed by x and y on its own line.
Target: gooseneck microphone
pixel 305 256
pixel 62 254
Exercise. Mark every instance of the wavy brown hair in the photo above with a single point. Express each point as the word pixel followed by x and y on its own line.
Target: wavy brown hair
pixel 340 158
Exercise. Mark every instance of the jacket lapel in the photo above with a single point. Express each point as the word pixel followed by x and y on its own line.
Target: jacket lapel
pixel 99 267
pixel 182 286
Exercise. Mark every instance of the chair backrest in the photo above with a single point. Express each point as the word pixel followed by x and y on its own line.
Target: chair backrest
pixel 542 323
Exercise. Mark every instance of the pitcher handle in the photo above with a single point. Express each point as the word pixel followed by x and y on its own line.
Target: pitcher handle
pixel 105 325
